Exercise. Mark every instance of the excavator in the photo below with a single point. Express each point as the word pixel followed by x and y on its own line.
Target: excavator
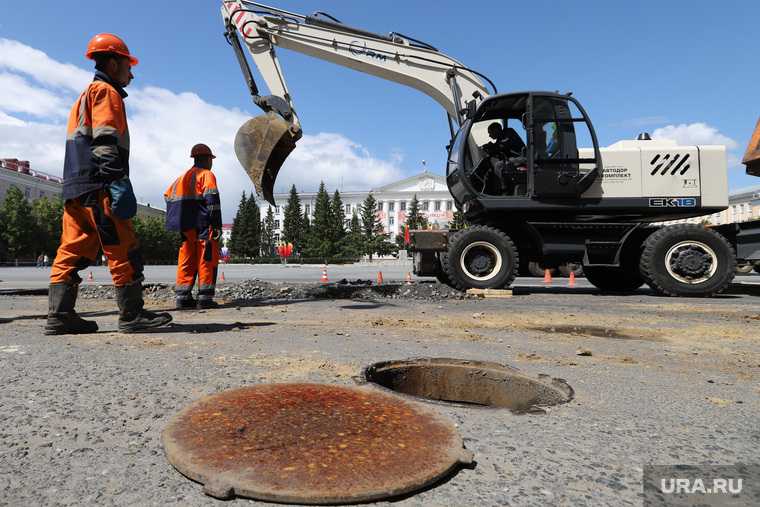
pixel 529 193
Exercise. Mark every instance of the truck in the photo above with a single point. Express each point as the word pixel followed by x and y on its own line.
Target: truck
pixel 516 169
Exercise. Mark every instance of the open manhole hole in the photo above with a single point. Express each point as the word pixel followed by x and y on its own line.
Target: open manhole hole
pixel 312 444
pixel 469 382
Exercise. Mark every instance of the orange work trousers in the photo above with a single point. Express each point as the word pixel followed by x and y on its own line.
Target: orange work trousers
pixel 197 256
pixel 87 229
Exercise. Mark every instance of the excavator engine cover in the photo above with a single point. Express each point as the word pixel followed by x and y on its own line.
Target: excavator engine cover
pixel 262 144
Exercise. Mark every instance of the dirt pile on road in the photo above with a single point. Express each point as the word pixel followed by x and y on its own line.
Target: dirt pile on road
pixel 257 290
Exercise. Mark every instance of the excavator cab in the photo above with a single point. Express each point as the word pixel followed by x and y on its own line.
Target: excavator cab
pixel 548 167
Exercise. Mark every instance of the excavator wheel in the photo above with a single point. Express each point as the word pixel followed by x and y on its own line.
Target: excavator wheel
pixel 687 260
pixel 481 257
pixel 442 276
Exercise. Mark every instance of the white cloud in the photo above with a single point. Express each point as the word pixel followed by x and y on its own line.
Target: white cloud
pixel 694 133
pixel 699 133
pixel 163 126
pixel 20 96
pixel 21 58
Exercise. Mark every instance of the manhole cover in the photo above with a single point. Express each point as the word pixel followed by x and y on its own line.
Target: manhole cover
pixel 311 443
pixel 472 382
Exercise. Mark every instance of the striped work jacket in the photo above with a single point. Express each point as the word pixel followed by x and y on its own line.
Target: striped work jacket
pixel 97 139
pixel 192 201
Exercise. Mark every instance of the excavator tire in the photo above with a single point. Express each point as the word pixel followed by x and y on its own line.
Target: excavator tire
pixel 481 257
pixel 687 260
pixel 757 267
pixel 442 276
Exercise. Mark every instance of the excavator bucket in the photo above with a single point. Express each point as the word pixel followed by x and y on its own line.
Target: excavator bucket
pixel 262 144
pixel 752 155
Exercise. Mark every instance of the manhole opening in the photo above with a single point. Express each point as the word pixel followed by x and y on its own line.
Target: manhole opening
pixel 465 382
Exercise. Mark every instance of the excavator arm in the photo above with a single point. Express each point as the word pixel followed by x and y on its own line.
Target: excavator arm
pixel 263 143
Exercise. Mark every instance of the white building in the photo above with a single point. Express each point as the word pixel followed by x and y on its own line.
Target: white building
pixel 36 184
pixel 393 200
pixel 743 206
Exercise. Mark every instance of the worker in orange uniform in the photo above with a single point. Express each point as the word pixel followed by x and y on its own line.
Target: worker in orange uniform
pixel 95 172
pixel 194 210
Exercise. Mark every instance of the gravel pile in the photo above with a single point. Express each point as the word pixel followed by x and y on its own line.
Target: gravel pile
pixel 256 290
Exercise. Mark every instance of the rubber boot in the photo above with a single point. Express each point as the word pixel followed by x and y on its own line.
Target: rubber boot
pixel 186 304
pixel 132 317
pixel 62 319
pixel 207 304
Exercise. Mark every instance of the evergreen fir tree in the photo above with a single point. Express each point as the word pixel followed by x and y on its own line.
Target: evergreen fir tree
pixel 371 226
pixel 338 218
pixel 321 244
pixel 252 237
pixel 306 234
pixel 236 244
pixel 267 234
pixel 414 218
pixel 353 242
pixel 292 225
pixel 458 221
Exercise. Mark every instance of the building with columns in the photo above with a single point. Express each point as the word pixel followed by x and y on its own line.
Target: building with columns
pixel 393 200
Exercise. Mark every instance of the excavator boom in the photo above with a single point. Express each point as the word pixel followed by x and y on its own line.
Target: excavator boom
pixel 263 143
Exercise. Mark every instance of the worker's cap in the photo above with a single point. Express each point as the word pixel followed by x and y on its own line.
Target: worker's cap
pixel 109 43
pixel 200 150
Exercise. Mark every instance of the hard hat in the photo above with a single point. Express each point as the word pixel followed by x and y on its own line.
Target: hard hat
pixel 108 43
pixel 200 150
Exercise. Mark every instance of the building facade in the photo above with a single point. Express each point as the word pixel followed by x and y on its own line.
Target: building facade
pixel 36 184
pixel 743 206
pixel 393 200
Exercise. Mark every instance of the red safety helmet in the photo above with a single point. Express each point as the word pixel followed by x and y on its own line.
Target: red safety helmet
pixel 200 150
pixel 108 43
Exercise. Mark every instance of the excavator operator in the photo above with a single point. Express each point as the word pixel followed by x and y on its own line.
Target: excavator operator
pixel 98 198
pixel 505 144
pixel 193 209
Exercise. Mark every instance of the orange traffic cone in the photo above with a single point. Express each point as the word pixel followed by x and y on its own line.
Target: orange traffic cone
pixel 379 277
pixel 90 278
pixel 408 279
pixel 324 279
pixel 221 277
pixel 571 282
pixel 547 276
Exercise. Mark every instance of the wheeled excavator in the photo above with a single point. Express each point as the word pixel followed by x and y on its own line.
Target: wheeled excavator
pixel 529 193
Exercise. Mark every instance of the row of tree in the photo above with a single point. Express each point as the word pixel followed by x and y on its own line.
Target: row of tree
pixel 324 235
pixel 28 230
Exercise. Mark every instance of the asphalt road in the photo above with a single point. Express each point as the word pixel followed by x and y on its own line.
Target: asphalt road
pixel 669 381
pixel 30 278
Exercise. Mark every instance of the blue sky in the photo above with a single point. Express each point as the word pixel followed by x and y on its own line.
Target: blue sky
pixel 635 66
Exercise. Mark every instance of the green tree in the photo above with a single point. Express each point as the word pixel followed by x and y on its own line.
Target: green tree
pixel 48 217
pixel 320 241
pixel 267 234
pixel 252 234
pixel 292 223
pixel 338 218
pixel 458 221
pixel 306 228
pixel 156 243
pixel 236 242
pixel 414 218
pixel 353 243
pixel 18 233
pixel 373 235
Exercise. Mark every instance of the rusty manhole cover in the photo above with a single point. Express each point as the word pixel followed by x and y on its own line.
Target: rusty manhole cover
pixel 469 382
pixel 312 443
